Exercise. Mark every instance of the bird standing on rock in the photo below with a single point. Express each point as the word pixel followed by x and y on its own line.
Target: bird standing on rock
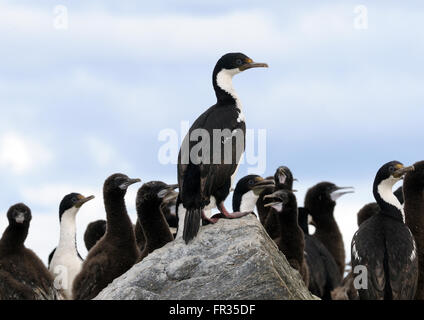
pixel 206 168
pixel 116 252
pixel 152 198
pixel 283 179
pixel 291 240
pixel 248 191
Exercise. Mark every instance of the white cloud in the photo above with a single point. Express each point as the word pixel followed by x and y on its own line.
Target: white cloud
pixel 105 155
pixel 50 195
pixel 20 154
pixel 182 35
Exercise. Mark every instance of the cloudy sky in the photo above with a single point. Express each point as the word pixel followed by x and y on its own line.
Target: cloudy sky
pixel 88 96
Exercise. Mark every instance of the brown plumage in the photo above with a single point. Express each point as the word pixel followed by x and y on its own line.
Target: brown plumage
pixel 22 274
pixel 283 179
pixel 320 200
pixel 93 233
pixel 324 275
pixel 367 212
pixel 347 291
pixel 152 197
pixel 413 188
pixel 291 239
pixel 116 252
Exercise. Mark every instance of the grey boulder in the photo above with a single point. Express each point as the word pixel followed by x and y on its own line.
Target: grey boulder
pixel 232 259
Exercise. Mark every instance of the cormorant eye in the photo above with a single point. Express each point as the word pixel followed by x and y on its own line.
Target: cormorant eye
pixel 239 62
pixel 251 182
pixel 392 169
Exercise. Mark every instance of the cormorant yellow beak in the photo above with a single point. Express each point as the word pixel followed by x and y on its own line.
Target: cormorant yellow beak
pixel 83 200
pixel 250 64
pixel 399 173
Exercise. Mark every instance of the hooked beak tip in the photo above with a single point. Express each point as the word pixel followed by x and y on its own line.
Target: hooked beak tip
pixel 253 65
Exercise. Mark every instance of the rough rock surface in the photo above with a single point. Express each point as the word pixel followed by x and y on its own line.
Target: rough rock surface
pixel 233 259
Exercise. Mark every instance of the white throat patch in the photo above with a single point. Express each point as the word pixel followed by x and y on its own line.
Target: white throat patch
pixel 248 202
pixel 282 178
pixel 385 190
pixel 68 231
pixel 278 207
pixel 224 80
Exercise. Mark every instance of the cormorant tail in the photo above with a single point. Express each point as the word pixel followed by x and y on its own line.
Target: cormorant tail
pixel 191 224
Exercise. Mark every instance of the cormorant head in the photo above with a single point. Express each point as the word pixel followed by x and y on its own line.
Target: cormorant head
pixel 72 201
pixel 385 179
pixel 94 232
pixel 321 200
pixel 19 214
pixel 247 191
pixel 227 66
pixel 253 183
pixel 325 193
pixel 280 199
pixel 284 178
pixel 117 184
pixel 237 62
pixel 156 193
pixel 390 173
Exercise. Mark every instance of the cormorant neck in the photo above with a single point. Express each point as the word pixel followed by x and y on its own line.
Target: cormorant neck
pixel 284 186
pixel 14 237
pixel 323 216
pixel 387 201
pixel 118 221
pixel 154 225
pixel 245 202
pixel 223 85
pixel 68 230
pixel 289 216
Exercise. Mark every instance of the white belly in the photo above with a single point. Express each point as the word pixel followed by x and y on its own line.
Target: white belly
pixel 64 267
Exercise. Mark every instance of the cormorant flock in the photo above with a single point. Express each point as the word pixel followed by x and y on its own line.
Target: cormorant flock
pixel 387 253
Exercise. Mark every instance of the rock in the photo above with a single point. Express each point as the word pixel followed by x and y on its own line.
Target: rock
pixel 232 259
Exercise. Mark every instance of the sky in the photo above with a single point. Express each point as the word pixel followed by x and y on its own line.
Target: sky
pixel 88 95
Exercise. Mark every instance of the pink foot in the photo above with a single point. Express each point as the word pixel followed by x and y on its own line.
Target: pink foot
pixel 233 215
